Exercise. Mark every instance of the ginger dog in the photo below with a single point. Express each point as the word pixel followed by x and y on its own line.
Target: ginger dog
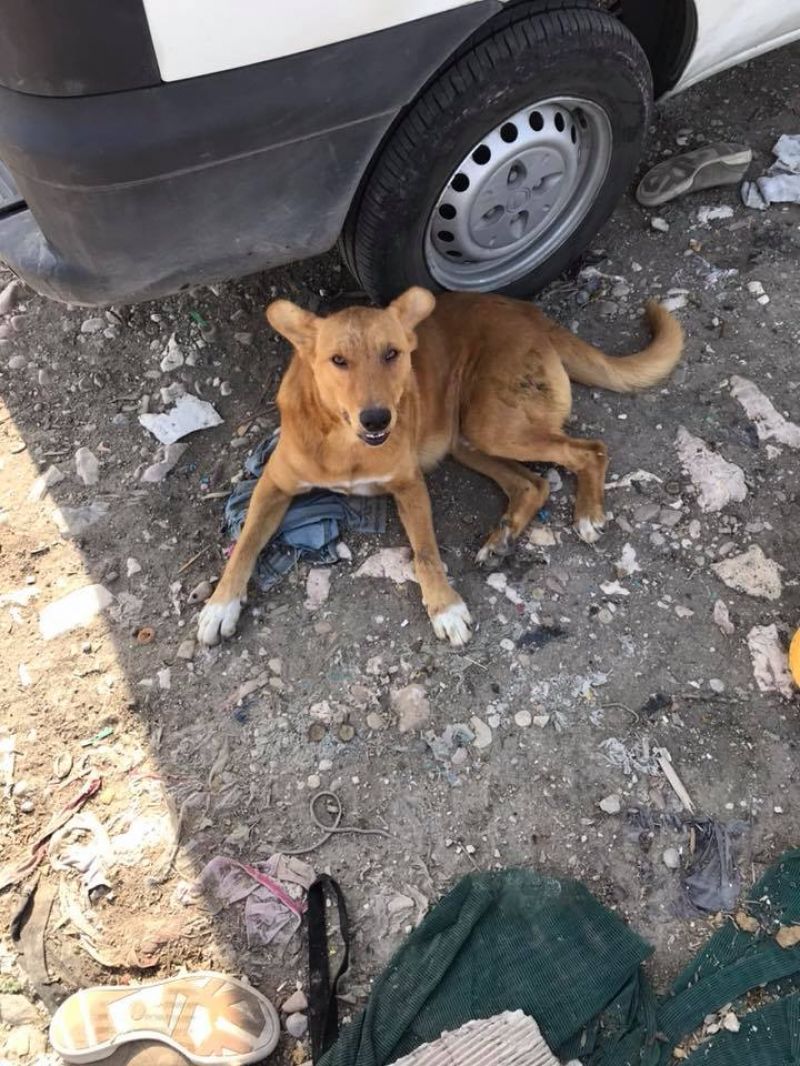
pixel 373 399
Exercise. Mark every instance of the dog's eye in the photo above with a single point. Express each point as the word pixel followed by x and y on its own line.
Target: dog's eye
pixel 390 355
pixel 339 360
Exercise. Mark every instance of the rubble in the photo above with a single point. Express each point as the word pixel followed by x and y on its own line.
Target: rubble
pixel 717 481
pixel 751 572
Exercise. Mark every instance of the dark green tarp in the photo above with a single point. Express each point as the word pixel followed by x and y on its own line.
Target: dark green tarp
pixel 516 940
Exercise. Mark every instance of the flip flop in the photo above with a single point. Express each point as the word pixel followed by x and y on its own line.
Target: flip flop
pixel 209 1018
pixel 703 168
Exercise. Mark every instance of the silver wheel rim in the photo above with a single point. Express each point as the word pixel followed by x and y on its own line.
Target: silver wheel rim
pixel 518 194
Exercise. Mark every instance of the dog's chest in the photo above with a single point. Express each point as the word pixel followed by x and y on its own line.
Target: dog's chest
pixel 359 486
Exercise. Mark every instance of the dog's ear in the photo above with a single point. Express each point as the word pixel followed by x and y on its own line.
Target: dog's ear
pixel 299 327
pixel 413 306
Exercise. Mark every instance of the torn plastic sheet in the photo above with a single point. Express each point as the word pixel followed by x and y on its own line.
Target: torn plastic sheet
pixel 273 892
pixel 311 526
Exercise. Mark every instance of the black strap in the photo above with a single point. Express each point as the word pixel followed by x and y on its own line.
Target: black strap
pixel 323 1013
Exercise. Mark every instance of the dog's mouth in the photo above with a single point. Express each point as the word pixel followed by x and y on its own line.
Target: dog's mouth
pixel 375 440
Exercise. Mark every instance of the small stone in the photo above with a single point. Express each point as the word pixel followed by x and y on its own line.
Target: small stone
pixel 17 1010
pixel 26 1044
pixel 200 593
pixel 671 858
pixel 50 477
pixel 731 1022
pixel 716 685
pixel 316 732
pixel 62 764
pixel 605 616
pixel 523 719
pixel 313 781
pixel 297 1003
pixel 541 720
pixel 9 297
pixel 93 325
pixel 611 804
pixel 660 225
pixel 87 466
pixel 165 679
pixel 297 1025
pixel 755 288
pixel 133 566
pixel 411 706
pixel 459 757
pixel 345 732
pixel 483 734
pixel 186 650
pixel 376 722
pixel 245 339
pixel 172 356
pixel 325 766
pixel 17 362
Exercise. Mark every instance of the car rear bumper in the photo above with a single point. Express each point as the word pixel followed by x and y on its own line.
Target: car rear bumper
pixel 136 194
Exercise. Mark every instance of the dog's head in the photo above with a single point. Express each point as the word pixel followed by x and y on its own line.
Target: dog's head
pixel 360 357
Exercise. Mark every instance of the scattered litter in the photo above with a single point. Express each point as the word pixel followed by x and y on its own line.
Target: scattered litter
pixel 781 183
pixel 43 483
pixel 83 845
pixel 499 582
pixel 722 618
pixel 752 573
pixel 311 527
pixel 483 733
pixel 711 883
pixel 770 663
pixel 611 804
pixel 75 521
pixel 717 481
pixel 770 423
pixel 627 563
pixel 318 588
pixel 714 214
pixel 510 1038
pixel 392 563
pixel 273 893
pixel 167 458
pixel 172 356
pixel 75 610
pixel 87 466
pixel 613 588
pixel 678 787
pixel 102 734
pixel 187 416
pixel 411 706
pixel 634 477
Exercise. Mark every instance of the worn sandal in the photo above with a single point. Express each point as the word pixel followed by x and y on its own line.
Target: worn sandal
pixel 211 1019
pixel 703 168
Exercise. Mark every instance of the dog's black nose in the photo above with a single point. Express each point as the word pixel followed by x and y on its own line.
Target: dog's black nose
pixel 375 419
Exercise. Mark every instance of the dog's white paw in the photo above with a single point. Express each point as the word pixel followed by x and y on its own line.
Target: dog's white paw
pixel 218 620
pixel 497 545
pixel 589 530
pixel 453 624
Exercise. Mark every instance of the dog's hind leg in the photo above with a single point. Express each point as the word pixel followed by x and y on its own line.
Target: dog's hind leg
pixel 526 492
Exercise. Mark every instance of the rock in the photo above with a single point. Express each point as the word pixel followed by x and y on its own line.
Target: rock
pixel 87 466
pixel 297 1025
pixel 51 476
pixel 244 338
pixel 201 592
pixel 93 325
pixel 674 303
pixel 313 781
pixel 541 537
pixel 375 722
pixel 186 650
pixel 541 720
pixel 296 1003
pixel 523 719
pixel 660 225
pixel 394 563
pixel 165 679
pixel 731 1022
pixel 76 609
pixel 318 587
pixel 75 521
pixel 17 362
pixel 717 481
pixel 172 356
pixel 671 858
pixel 483 734
pixel 627 563
pixel 167 458
pixel 133 566
pixel 722 618
pixel 17 1010
pixel 9 296
pixel 611 804
pixel 26 1044
pixel 752 573
pixel 713 214
pixel 716 685
pixel 770 661
pixel 411 706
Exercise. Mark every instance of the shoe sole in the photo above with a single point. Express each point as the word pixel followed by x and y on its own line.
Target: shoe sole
pixel 209 1018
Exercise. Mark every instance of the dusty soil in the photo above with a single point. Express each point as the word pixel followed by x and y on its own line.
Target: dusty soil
pixel 642 668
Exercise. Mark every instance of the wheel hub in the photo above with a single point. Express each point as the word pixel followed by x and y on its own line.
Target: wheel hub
pixel 518 194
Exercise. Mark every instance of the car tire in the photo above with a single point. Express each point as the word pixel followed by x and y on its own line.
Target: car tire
pixel 576 87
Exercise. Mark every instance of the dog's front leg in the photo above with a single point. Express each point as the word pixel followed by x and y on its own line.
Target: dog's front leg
pixel 268 505
pixel 446 609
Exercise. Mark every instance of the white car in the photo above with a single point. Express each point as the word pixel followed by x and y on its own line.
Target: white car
pixel 148 145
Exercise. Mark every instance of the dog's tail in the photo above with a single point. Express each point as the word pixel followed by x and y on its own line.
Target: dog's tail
pixel 589 366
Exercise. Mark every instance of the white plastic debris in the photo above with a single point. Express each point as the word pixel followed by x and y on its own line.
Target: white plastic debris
pixel 714 214
pixel 717 481
pixel 674 303
pixel 781 183
pixel 133 566
pixel 187 416
pixel 629 479
pixel 613 588
pixel 770 661
pixel 752 573
pixel 74 611
pixel 770 423
pixel 318 587
pixel 170 456
pixel 394 563
pixel 172 356
pixel 499 582
pixel 87 466
pixel 660 225
pixel 627 563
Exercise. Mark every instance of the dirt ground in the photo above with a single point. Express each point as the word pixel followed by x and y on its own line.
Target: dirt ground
pixel 575 687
